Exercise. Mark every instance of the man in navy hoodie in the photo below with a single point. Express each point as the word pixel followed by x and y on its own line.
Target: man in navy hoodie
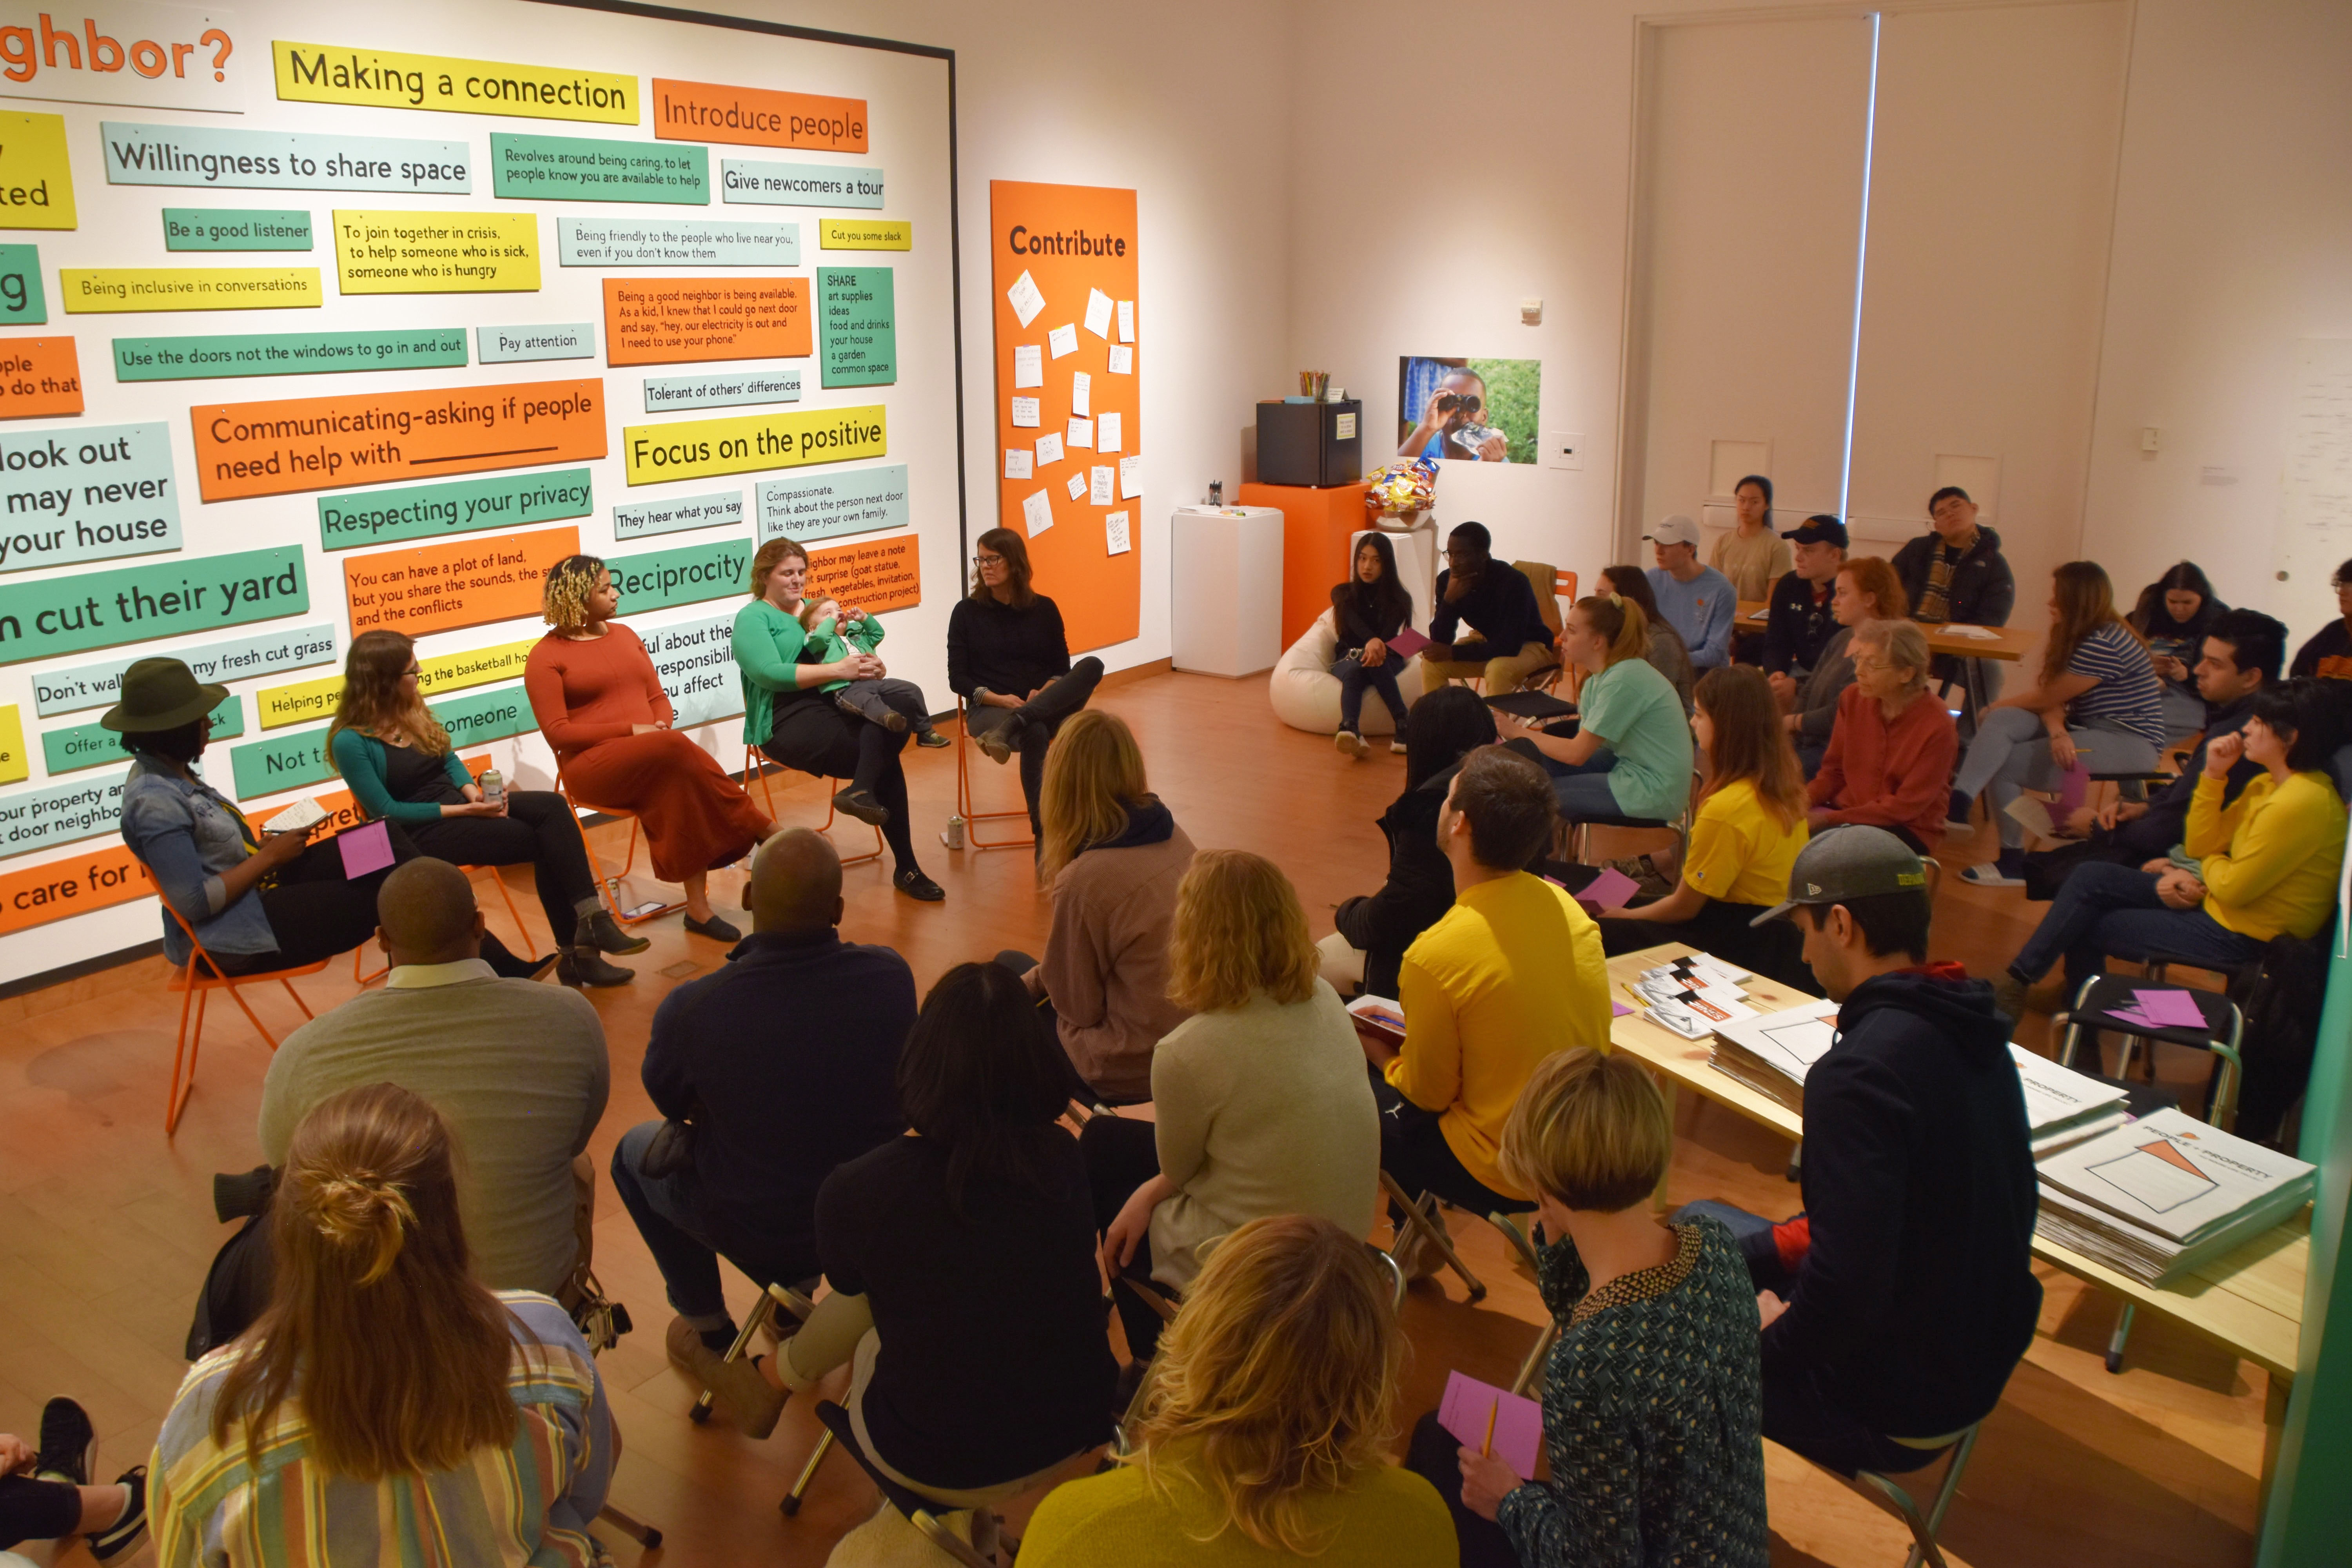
pixel 1895 1307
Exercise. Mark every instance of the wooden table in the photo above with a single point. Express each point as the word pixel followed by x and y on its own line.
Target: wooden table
pixel 2007 644
pixel 2249 1300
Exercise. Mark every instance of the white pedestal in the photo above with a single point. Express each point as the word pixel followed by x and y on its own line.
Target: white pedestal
pixel 1226 589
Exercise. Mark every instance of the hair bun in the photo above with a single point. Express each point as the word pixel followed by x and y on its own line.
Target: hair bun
pixel 365 1214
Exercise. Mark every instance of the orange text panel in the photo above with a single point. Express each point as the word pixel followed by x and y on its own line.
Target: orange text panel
pixel 883 576
pixel 39 377
pixel 760 117
pixel 367 438
pixel 459 582
pixel 673 320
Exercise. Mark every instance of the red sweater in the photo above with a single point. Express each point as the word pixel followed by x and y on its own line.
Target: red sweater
pixel 584 692
pixel 1889 775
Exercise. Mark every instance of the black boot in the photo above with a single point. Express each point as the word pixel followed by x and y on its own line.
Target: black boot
pixel 583 966
pixel 506 966
pixel 602 932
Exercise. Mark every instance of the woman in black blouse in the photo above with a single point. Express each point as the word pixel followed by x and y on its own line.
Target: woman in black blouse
pixel 1367 610
pixel 1009 659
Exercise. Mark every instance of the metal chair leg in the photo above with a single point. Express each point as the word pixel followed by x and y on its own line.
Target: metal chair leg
pixel 644 1535
pixel 774 1299
pixel 2116 1339
pixel 792 1503
pixel 1924 1529
pixel 1427 1221
pixel 1532 1368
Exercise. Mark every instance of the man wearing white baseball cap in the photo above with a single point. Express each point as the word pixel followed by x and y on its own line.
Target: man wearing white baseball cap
pixel 1698 601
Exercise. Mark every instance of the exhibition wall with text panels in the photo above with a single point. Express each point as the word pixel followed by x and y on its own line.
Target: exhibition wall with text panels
pixel 320 319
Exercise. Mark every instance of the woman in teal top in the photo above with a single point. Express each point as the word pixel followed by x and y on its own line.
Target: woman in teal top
pixel 1631 754
pixel 402 767
pixel 787 715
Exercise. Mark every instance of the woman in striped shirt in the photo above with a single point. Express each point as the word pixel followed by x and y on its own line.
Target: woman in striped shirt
pixel 2098 700
pixel 386 1408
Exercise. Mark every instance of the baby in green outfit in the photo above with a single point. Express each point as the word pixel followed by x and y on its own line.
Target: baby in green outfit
pixel 896 705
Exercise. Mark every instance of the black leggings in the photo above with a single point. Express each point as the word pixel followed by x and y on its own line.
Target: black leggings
pixel 1035 723
pixel 315 911
pixel 1120 1156
pixel 37 1511
pixel 812 735
pixel 538 831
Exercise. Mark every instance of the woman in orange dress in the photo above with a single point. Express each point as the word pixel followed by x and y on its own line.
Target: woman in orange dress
pixel 593 690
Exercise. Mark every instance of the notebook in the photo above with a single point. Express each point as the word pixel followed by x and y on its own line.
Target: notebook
pixel 1533 705
pixel 1468 1407
pixel 1408 642
pixel 365 849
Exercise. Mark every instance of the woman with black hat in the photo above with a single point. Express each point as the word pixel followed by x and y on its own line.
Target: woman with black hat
pixel 256 902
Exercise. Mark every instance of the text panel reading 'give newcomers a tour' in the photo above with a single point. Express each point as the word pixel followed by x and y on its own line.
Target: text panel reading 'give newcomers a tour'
pixel 318 321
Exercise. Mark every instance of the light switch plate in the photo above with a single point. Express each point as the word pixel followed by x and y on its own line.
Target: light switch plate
pixel 1563 449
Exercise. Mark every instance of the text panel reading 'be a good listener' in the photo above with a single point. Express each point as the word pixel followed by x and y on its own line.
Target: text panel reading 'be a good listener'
pixel 362 439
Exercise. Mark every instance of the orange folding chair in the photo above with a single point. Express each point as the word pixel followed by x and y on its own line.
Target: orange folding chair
pixel 756 763
pixel 608 888
pixel 965 805
pixel 196 979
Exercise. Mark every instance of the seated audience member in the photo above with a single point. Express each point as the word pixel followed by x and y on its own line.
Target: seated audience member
pixel 386 1398
pixel 1368 610
pixel 1749 825
pixel 1113 856
pixel 1665 651
pixel 46 1495
pixel 1652 1392
pixel 1513 973
pixel 1696 601
pixel 518 1072
pixel 1799 623
pixel 1259 1102
pixel 1507 641
pixel 1753 556
pixel 2328 654
pixel 1263 1433
pixel 401 766
pixel 1867 590
pixel 2174 616
pixel 600 704
pixel 1896 1305
pixel 1374 930
pixel 1009 659
pixel 835 633
pixel 2097 700
pixel 784 1064
pixel 1630 752
pixel 1894 743
pixel 2267 864
pixel 256 903
pixel 1956 573
pixel 963 1263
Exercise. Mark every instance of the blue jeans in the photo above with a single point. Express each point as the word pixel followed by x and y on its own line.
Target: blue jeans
pixel 2104 911
pixel 664 1210
pixel 1583 787
pixel 1354 676
pixel 2011 754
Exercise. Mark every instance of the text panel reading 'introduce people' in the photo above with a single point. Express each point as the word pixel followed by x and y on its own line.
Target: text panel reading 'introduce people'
pixel 462 582
pixel 436 253
pixel 757 117
pixel 282 160
pixel 88 494
pixel 669 321
pixel 39 377
pixel 696 449
pixel 362 439
pixel 142 604
pixel 381 78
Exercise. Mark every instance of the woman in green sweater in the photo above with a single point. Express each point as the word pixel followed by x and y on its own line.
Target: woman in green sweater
pixel 402 767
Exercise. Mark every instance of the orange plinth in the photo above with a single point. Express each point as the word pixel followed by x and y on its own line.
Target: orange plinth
pixel 1316 527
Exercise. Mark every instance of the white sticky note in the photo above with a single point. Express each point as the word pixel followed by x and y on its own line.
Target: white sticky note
pixel 1078 486
pixel 1098 312
pixel 1028 366
pixel 1025 414
pixel 1016 463
pixel 1115 533
pixel 1122 360
pixel 1098 493
pixel 1106 432
pixel 1026 301
pixel 1130 478
pixel 1126 320
pixel 1049 450
pixel 1063 340
pixel 1081 434
pixel 1082 393
pixel 1037 513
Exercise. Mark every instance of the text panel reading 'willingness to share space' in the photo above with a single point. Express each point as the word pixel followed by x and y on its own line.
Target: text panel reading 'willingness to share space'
pixel 92 290
pixel 142 604
pixel 757 117
pixel 463 582
pixel 282 161
pixel 362 439
pixel 436 253
pixel 670 320
pixel 99 685
pixel 461 506
pixel 73 747
pixel 590 169
pixel 381 78
pixel 39 377
pixel 696 448
pixel 88 494
pixel 286 354
pixel 302 700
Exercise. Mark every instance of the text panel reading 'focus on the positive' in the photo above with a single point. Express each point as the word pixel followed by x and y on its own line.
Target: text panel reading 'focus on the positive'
pixel 364 438
pixel 694 449
pixel 460 582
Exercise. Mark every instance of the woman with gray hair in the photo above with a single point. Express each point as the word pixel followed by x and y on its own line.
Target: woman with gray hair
pixel 1891 751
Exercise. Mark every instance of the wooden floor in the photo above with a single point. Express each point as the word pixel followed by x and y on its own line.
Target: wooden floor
pixel 106 1228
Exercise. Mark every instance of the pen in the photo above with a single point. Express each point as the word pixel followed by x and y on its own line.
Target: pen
pixel 1487 1449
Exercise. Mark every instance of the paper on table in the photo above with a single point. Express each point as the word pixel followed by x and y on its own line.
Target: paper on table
pixel 1082 393
pixel 1098 493
pixel 1025 414
pixel 1028 366
pixel 1078 486
pixel 367 847
pixel 1108 433
pixel 1037 513
pixel 1026 301
pixel 1016 463
pixel 1115 533
pixel 1126 321
pixel 1063 340
pixel 1081 433
pixel 1469 1404
pixel 1049 450
pixel 1098 312
pixel 1122 361
pixel 1975 633
pixel 1130 478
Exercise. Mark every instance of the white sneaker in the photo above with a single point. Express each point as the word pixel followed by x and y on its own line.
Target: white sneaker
pixel 1989 875
pixel 1349 743
pixel 1397 747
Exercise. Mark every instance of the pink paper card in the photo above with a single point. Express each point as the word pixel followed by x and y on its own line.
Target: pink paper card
pixel 1519 1422
pixel 1408 642
pixel 1618 1010
pixel 1609 891
pixel 366 849
pixel 2169 1009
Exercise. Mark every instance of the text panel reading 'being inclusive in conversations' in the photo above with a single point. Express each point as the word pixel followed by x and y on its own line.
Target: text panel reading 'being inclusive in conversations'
pixel 670 320
pixel 96 290
pixel 696 448
pixel 459 582
pixel 383 78
pixel 137 604
pixel 362 439
pixel 436 253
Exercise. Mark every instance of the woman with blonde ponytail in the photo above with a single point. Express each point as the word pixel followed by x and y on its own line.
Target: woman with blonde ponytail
pixel 383 1390
pixel 1629 751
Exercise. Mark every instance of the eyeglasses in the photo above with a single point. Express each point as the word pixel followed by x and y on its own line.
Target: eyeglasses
pixel 1874 664
pixel 988 560
pixel 414 669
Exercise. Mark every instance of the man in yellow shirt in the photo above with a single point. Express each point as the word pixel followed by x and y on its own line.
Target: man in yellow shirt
pixel 1511 973
pixel 2267 864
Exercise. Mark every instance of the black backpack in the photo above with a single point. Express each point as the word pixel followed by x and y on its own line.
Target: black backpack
pixel 2280 995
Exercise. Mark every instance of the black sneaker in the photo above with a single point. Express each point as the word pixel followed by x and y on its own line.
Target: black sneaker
pixel 583 966
pixel 930 739
pixel 68 1443
pixel 602 932
pixel 915 885
pixel 123 1537
pixel 716 928
pixel 861 805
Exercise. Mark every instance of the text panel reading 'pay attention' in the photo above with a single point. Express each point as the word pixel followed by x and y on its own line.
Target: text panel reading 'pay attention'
pixel 671 320
pixel 364 438
pixel 463 582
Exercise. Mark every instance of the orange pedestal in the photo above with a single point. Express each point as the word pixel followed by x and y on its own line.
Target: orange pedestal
pixel 1316 527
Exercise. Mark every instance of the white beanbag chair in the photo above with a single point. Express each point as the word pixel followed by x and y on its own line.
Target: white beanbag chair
pixel 1305 694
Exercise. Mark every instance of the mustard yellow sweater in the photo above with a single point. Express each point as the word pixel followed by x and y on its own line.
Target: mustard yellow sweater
pixel 2271 857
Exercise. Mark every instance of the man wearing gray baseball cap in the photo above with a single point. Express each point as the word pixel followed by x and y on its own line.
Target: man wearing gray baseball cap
pixel 1696 600
pixel 1896 1305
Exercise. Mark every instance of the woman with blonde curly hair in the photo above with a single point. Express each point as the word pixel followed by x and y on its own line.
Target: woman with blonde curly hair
pixel 1260 1102
pixel 1264 1425
pixel 600 703
pixel 384 1397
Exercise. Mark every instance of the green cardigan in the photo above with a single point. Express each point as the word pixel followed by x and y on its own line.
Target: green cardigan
pixel 768 646
pixel 362 760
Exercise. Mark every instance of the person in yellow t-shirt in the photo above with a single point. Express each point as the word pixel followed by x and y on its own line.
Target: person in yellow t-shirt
pixel 1751 825
pixel 1511 973
pixel 2267 864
